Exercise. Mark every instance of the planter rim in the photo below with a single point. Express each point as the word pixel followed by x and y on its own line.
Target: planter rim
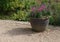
pixel 40 18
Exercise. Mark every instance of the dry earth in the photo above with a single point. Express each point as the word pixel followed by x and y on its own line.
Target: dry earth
pixel 17 31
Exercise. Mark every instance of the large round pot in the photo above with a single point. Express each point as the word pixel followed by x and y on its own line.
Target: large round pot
pixel 39 25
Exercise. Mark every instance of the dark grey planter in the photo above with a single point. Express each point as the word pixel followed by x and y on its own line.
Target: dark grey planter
pixel 39 25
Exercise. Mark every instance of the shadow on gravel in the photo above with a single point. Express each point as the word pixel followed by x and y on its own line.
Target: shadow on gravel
pixel 20 31
pixel 28 31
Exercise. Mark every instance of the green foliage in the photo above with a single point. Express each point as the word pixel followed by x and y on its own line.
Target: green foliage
pixel 19 9
pixel 56 14
pixel 51 20
pixel 57 20
pixel 16 9
pixel 21 15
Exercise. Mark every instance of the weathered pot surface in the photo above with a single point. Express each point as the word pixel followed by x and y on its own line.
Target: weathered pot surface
pixel 39 25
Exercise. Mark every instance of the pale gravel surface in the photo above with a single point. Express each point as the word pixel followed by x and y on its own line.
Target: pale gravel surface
pixel 16 31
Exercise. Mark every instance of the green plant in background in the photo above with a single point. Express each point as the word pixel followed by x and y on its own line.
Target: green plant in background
pixel 15 9
pixel 56 15
pixel 51 20
pixel 19 9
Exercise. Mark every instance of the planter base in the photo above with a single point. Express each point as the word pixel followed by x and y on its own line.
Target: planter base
pixel 38 30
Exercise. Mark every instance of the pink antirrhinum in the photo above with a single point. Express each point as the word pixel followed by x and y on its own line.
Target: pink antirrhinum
pixel 41 8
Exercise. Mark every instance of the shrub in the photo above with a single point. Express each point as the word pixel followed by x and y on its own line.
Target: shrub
pixel 16 9
pixel 19 9
pixel 51 20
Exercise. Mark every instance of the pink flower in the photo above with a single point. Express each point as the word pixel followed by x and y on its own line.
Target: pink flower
pixel 33 8
pixel 41 8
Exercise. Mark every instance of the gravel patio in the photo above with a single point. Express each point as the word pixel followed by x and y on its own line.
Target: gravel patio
pixel 17 31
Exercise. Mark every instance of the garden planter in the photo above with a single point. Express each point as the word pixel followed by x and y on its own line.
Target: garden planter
pixel 39 25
